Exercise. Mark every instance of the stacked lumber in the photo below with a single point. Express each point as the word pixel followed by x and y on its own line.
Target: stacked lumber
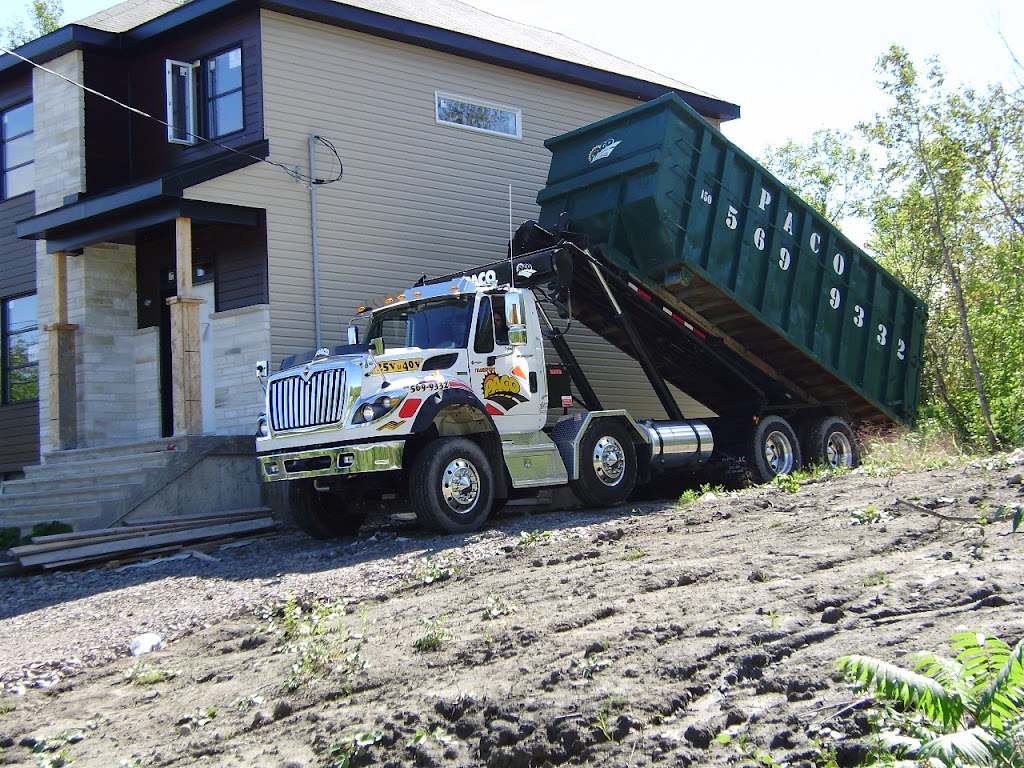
pixel 138 541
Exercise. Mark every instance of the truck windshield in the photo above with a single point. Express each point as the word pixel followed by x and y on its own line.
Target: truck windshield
pixel 439 323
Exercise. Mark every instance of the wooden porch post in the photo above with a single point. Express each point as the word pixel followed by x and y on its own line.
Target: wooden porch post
pixel 186 381
pixel 63 376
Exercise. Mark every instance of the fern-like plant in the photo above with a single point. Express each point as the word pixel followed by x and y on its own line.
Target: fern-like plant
pixel 961 711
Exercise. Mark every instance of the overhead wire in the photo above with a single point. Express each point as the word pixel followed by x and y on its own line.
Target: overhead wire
pixel 291 171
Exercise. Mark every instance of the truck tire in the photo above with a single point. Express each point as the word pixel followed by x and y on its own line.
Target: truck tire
pixel 774 450
pixel 607 465
pixel 831 442
pixel 451 488
pixel 322 514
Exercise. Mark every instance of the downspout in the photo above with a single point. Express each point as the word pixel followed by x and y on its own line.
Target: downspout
pixel 314 232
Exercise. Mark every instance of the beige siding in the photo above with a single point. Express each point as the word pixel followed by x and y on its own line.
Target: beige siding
pixel 417 197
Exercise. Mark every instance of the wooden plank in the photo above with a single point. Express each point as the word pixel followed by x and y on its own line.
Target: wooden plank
pixel 59 540
pixel 146 541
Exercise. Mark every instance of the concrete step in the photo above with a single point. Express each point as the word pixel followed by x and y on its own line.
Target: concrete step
pixel 167 445
pixel 90 472
pixel 80 516
pixel 110 492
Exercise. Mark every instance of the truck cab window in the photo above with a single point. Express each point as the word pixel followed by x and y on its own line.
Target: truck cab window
pixel 440 324
pixel 484 337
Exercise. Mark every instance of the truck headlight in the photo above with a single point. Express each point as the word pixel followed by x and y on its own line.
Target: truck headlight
pixel 377 408
pixel 262 427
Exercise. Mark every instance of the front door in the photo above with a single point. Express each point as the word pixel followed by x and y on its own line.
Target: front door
pixel 503 375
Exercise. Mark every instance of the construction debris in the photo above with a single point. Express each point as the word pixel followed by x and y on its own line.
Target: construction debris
pixel 138 541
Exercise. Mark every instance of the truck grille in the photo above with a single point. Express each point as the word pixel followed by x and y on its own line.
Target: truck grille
pixel 295 403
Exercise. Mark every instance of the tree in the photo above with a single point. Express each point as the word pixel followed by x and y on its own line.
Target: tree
pixel 930 171
pixel 829 173
pixel 44 17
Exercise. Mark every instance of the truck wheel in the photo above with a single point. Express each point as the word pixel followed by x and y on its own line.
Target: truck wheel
pixel 832 443
pixel 452 487
pixel 607 465
pixel 322 514
pixel 774 449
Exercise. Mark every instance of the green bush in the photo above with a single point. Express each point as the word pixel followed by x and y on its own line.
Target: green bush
pixel 49 529
pixel 9 537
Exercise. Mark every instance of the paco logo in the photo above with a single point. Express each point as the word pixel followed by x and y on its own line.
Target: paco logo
pixel 525 270
pixel 398 366
pixel 602 150
pixel 506 391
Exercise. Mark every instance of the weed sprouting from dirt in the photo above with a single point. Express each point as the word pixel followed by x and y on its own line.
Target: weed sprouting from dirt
pixel 314 630
pixel 497 605
pixel 435 637
pixel 870 515
pixel 430 569
pixel 351 750
pixel 693 495
pixel 788 483
pixel 876 579
pixel 899 450
pixel 143 674
pixel 634 554
pixel 967 710
pixel 533 538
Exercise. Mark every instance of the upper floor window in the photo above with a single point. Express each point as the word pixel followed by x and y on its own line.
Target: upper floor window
pixel 19 338
pixel 478 115
pixel 214 82
pixel 18 151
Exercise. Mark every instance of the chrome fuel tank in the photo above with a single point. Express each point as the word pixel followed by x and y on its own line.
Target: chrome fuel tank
pixel 678 443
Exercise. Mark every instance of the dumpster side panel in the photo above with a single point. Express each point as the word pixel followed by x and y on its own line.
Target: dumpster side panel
pixel 676 205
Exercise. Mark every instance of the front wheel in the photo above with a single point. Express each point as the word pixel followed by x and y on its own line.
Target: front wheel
pixel 832 443
pixel 323 514
pixel 774 450
pixel 607 465
pixel 451 487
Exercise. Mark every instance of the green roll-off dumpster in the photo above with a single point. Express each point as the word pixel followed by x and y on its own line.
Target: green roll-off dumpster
pixel 671 201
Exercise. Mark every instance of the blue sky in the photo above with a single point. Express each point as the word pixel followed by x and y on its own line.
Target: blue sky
pixel 793 66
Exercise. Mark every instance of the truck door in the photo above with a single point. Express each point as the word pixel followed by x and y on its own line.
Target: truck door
pixel 507 378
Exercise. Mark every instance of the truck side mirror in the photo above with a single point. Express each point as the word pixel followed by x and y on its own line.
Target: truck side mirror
pixel 353 334
pixel 515 317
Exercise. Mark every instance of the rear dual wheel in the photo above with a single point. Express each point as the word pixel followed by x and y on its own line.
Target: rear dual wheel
pixel 831 442
pixel 774 450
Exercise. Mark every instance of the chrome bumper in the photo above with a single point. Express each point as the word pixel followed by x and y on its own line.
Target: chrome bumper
pixel 339 460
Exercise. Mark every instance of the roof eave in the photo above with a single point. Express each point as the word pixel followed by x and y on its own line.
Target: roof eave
pixel 72 37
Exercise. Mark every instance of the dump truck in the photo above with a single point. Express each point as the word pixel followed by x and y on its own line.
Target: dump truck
pixel 667 241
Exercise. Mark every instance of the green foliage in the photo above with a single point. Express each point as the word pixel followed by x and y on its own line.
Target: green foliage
pixel 314 631
pixel 966 710
pixel 143 674
pixel 438 734
pixel 870 515
pixel 832 175
pixel 44 17
pixel 532 538
pixel 352 750
pixel 428 570
pixel 787 483
pixel 876 579
pixel 497 606
pixel 436 635
pixel 693 495
pixel 900 450
pixel 634 554
pixel 9 537
pixel 49 529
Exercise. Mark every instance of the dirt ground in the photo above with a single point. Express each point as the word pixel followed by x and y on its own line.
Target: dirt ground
pixel 649 634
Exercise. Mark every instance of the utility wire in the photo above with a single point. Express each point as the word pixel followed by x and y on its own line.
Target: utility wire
pixel 293 172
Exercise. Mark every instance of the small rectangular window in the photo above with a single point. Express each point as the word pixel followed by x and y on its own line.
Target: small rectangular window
pixel 182 120
pixel 478 115
pixel 18 140
pixel 20 345
pixel 224 93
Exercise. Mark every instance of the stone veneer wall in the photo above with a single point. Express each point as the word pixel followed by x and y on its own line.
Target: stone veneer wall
pixel 240 337
pixel 59 109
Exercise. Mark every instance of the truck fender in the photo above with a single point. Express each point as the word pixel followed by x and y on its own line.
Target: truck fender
pixel 568 433
pixel 463 414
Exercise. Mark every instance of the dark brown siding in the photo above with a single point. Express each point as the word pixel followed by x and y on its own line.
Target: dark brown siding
pixel 19 433
pixel 237 255
pixel 151 153
pixel 19 422
pixel 138 80
pixel 17 257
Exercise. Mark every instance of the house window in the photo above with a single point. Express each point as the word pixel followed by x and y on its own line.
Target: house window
pixel 214 82
pixel 18 151
pixel 224 93
pixel 478 115
pixel 19 373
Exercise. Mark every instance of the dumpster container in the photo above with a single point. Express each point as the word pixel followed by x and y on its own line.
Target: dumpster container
pixel 677 206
